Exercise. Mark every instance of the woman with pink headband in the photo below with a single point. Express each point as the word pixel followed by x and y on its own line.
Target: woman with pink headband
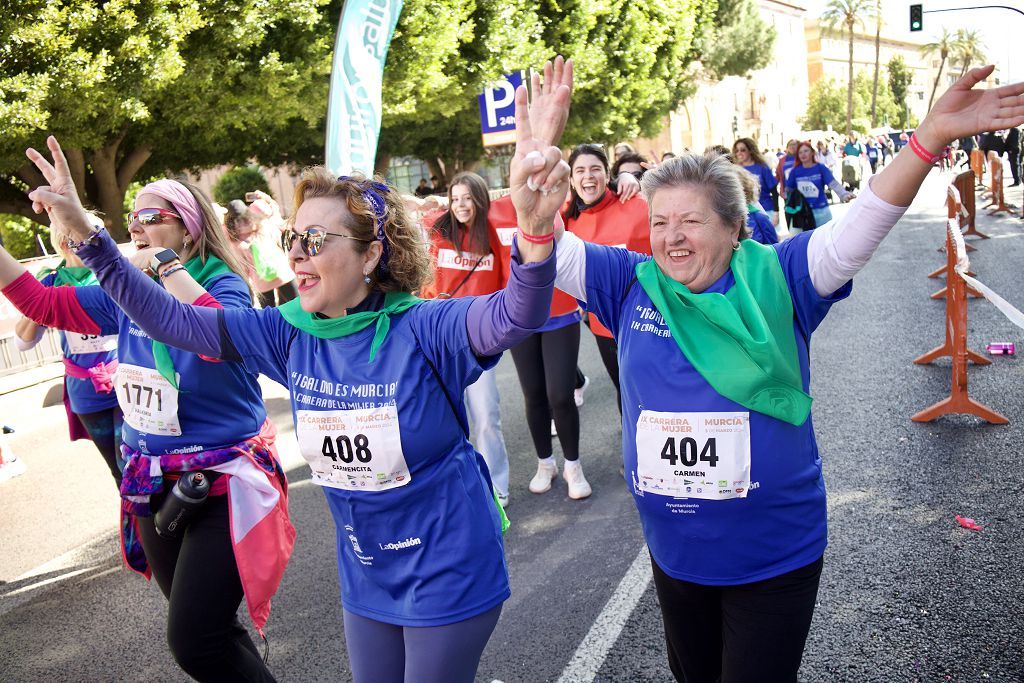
pixel 184 413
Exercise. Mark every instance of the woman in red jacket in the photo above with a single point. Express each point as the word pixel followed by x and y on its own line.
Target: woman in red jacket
pixel 596 214
pixel 467 261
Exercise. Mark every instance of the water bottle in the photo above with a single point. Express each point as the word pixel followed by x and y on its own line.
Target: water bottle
pixel 182 505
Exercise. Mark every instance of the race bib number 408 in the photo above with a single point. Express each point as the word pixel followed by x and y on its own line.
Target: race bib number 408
pixel 148 401
pixel 356 450
pixel 694 455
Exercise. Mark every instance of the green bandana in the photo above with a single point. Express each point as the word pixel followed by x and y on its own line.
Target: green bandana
pixel 201 273
pixel 332 328
pixel 69 275
pixel 742 343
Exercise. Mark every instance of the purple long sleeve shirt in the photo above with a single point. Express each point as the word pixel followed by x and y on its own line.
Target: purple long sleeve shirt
pixel 495 322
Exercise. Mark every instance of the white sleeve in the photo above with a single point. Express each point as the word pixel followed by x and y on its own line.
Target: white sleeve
pixel 571 260
pixel 23 345
pixel 839 249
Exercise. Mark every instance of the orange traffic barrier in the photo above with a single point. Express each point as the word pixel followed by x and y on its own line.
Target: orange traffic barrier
pixel 978 166
pixel 995 165
pixel 964 183
pixel 955 345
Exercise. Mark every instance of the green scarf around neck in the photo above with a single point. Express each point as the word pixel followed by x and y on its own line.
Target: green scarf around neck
pixel 332 328
pixel 76 276
pixel 741 342
pixel 201 273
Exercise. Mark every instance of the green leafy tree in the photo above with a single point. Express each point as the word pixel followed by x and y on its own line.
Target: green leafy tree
pixel 739 42
pixel 826 106
pixel 944 47
pixel 878 56
pixel 20 236
pixel 140 89
pixel 900 78
pixel 845 16
pixel 237 181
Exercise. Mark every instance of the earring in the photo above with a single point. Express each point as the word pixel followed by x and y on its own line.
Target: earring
pixel 736 247
pixel 366 279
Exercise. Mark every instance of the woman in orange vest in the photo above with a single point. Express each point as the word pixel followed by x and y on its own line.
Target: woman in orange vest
pixel 546 364
pixel 467 261
pixel 596 214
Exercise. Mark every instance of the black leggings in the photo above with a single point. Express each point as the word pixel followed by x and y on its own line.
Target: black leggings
pixel 198 576
pixel 609 351
pixel 285 293
pixel 546 365
pixel 104 429
pixel 733 634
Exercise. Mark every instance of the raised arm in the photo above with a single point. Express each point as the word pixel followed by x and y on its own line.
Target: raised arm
pixel 537 178
pixel 152 308
pixel 838 251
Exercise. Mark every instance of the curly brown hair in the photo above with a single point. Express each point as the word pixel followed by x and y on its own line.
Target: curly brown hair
pixel 408 266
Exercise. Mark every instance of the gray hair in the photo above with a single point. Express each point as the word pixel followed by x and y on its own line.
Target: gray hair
pixel 717 176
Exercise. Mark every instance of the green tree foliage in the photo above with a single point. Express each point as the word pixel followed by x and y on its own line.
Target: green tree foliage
pixel 142 88
pixel 826 107
pixel 237 181
pixel 845 16
pixel 18 236
pixel 944 47
pixel 740 42
pixel 900 78
pixel 968 49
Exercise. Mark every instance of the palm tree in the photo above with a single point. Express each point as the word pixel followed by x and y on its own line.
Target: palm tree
pixel 967 49
pixel 944 46
pixel 846 15
pixel 878 50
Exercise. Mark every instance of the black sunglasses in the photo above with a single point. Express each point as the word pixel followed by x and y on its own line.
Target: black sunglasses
pixel 312 240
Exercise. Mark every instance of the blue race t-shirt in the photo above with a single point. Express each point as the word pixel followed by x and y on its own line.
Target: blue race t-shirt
pixel 418 537
pixel 780 525
pixel 761 228
pixel 217 404
pixel 82 395
pixel 811 182
pixel 766 180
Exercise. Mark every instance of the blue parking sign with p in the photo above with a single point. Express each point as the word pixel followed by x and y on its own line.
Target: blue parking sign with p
pixel 498 110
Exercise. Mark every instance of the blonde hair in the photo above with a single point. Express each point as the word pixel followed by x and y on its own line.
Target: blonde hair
pixel 212 239
pixel 408 265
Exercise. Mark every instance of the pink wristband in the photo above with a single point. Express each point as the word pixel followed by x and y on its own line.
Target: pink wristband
pixel 539 239
pixel 923 154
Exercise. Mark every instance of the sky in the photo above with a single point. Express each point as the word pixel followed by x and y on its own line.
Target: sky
pixel 1000 28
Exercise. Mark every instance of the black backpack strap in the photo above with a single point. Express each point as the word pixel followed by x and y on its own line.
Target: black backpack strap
pixel 451 403
pixel 451 294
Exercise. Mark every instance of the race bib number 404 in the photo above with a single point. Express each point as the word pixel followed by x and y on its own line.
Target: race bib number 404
pixel 149 402
pixel 356 450
pixel 694 455
pixel 90 343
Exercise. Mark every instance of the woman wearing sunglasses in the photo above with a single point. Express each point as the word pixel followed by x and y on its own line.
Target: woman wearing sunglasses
pixel 183 413
pixel 467 260
pixel 376 378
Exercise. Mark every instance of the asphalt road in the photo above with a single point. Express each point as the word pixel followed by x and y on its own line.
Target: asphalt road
pixel 906 595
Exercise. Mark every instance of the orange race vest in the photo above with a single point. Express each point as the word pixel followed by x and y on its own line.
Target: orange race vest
pixel 613 224
pixel 458 272
pixel 502 218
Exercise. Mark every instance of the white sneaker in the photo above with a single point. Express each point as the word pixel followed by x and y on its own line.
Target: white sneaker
pixel 547 472
pixel 503 500
pixel 578 393
pixel 579 488
pixel 9 469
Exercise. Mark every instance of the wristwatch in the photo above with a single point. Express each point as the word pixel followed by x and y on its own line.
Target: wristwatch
pixel 161 258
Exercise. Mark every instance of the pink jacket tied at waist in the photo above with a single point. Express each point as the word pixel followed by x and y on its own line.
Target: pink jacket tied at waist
pixel 101 374
pixel 262 534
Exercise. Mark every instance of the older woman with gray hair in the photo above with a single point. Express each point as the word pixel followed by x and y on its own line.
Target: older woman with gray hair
pixel 713 335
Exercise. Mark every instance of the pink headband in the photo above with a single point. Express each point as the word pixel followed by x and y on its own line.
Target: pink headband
pixel 182 201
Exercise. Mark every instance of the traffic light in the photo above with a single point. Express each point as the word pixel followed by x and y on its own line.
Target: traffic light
pixel 916 21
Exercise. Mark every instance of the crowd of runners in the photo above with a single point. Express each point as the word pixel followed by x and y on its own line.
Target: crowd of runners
pixel 386 326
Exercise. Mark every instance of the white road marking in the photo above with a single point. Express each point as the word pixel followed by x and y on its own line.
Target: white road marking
pixel 593 649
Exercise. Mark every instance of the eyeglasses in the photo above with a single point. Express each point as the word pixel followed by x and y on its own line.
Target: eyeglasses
pixel 150 216
pixel 312 240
